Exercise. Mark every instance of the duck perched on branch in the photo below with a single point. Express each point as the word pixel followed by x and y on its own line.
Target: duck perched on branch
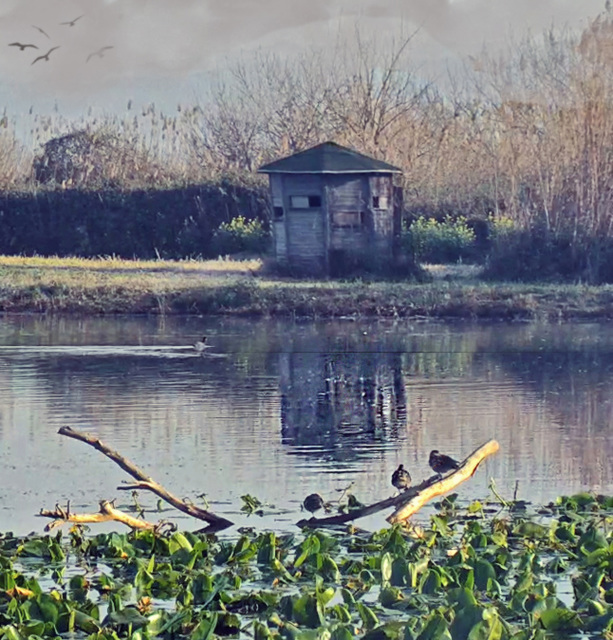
pixel 441 463
pixel 401 478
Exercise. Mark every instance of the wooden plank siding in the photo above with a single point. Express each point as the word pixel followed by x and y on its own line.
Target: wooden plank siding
pixel 382 207
pixel 280 234
pixel 324 221
pixel 347 199
pixel 305 228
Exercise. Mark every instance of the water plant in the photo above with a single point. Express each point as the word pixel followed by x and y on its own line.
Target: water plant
pixel 499 572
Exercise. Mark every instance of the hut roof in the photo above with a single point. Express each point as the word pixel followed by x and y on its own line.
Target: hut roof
pixel 328 157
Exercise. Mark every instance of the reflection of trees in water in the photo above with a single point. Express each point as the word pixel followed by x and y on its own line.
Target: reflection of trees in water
pixel 340 401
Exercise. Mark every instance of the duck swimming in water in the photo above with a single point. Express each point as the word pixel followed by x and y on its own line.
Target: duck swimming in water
pixel 442 463
pixel 201 345
pixel 401 478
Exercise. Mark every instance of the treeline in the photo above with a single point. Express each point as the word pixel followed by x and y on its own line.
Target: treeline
pixel 523 138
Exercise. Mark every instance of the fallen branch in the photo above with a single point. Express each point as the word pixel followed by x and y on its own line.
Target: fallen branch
pixel 417 495
pixel 368 510
pixel 462 473
pixel 145 482
pixel 107 512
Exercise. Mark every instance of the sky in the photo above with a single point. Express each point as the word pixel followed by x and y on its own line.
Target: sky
pixel 164 51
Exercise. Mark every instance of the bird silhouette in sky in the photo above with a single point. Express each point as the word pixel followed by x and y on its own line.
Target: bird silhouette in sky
pixel 99 53
pixel 22 47
pixel 71 23
pixel 41 30
pixel 46 56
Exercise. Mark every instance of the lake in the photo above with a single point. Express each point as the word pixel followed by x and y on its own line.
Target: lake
pixel 280 409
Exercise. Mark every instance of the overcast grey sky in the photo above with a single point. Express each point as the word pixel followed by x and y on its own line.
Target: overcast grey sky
pixel 163 49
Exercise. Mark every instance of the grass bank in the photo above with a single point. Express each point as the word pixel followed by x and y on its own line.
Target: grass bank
pixel 107 286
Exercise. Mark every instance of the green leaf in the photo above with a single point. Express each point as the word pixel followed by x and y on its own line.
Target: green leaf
pixel 386 567
pixel 11 633
pixel 267 547
pixel 389 596
pixel 205 628
pixel 307 611
pixel 484 571
pixel 85 623
pixel 461 597
pixel 368 616
pixel 431 583
pixel 560 619
pixel 435 629
pixel 342 632
pixel 465 620
pixel 129 615
pixel 530 530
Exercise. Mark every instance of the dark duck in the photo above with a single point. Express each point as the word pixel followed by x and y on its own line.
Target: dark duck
pixel 401 478
pixel 313 502
pixel 441 463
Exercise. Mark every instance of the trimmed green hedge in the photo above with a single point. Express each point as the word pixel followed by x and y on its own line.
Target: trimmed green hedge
pixel 170 223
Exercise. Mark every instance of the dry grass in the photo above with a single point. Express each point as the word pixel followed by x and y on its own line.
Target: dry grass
pixel 112 263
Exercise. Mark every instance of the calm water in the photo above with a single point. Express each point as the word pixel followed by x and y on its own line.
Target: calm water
pixel 281 409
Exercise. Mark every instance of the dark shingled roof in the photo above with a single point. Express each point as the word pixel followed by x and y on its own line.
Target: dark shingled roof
pixel 328 157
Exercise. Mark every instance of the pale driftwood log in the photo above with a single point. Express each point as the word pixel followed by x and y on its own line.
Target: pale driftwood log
pixel 145 482
pixel 107 512
pixel 462 473
pixel 429 487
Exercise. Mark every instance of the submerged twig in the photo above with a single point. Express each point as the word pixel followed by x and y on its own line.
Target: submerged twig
pixel 107 512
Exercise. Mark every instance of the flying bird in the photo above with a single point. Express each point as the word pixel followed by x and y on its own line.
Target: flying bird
pixel 46 56
pixel 401 478
pixel 41 30
pixel 442 463
pixel 99 53
pixel 71 23
pixel 22 47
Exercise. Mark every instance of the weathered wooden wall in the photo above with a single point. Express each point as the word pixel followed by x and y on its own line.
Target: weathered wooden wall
pixel 381 187
pixel 347 198
pixel 305 228
pixel 348 226
pixel 279 234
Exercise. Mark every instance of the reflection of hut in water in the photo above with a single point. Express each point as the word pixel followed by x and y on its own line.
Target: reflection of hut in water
pixel 339 401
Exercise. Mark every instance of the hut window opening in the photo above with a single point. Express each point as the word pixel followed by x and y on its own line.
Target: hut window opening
pixel 305 202
pixel 348 220
pixel 379 202
pixel 278 213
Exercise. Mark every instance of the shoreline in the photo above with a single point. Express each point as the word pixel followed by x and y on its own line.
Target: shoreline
pixel 273 298
pixel 110 286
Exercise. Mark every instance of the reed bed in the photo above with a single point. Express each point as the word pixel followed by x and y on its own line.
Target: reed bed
pixel 525 135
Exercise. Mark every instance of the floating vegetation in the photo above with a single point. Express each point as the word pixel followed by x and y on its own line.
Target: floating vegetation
pixel 471 573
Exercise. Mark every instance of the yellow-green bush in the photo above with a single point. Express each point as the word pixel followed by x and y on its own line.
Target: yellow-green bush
pixel 441 241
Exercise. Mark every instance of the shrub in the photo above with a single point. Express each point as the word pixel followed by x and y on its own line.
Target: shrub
pixel 240 235
pixel 535 254
pixel 449 240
